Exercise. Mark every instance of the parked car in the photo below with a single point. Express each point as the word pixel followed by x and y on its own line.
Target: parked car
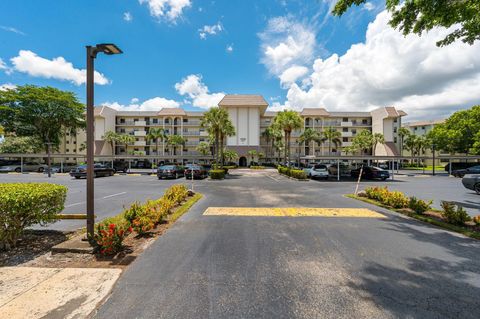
pixel 459 165
pixel 463 172
pixel 318 171
pixel 98 170
pixel 15 166
pixel 197 171
pixel 371 172
pixel 170 171
pixel 472 182
pixel 344 169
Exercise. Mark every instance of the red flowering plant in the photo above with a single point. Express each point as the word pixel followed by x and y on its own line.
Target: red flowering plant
pixel 109 237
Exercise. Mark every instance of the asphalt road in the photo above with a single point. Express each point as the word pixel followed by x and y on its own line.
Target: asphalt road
pixel 304 267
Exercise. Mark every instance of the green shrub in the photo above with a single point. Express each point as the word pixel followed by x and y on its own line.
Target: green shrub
pixel 257 167
pixel 25 204
pixel 109 237
pixel 419 206
pixel 298 173
pixel 141 219
pixel 476 220
pixel 217 174
pixel 177 193
pixel 454 214
pixel 284 170
pixel 395 200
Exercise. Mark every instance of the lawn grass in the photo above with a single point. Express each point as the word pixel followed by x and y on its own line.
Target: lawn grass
pixel 184 207
pixel 427 168
pixel 424 218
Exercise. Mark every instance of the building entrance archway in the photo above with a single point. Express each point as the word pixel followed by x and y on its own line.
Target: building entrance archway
pixel 242 162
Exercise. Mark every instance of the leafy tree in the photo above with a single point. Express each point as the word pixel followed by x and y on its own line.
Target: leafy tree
pixel 126 139
pixel 276 138
pixel 219 126
pixel 20 145
pixel 156 134
pixel 459 133
pixel 42 113
pixel 175 141
pixel 403 132
pixel 288 121
pixel 230 155
pixel 333 137
pixel 308 136
pixel 203 148
pixel 268 135
pixel 226 130
pixel 419 16
pixel 362 141
pixel 253 154
pixel 111 138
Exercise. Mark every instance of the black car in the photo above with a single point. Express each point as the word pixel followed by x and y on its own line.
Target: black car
pixel 371 172
pixel 462 172
pixel 98 170
pixel 196 171
pixel 170 171
pixel 472 182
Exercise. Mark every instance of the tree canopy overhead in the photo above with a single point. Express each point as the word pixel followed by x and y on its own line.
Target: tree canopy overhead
pixel 419 16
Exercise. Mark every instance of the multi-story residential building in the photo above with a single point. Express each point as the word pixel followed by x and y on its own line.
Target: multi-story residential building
pixel 250 118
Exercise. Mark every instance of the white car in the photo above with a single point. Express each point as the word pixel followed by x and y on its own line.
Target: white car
pixel 318 171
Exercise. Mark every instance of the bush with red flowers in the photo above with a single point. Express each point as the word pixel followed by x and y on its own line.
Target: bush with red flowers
pixel 109 237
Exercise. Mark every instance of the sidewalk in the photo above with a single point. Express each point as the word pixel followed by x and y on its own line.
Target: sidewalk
pixel 30 292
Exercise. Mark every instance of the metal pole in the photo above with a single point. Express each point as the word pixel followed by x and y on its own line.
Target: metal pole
pixel 90 144
pixel 338 170
pixel 49 162
pixel 21 164
pixel 393 169
pixel 61 165
pixel 433 153
pixel 449 166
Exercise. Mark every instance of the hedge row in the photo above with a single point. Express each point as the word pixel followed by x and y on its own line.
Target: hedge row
pixel 217 173
pixel 295 173
pixel 26 204
pixel 141 218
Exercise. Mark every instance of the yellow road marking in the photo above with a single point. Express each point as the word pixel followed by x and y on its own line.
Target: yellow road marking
pixel 292 212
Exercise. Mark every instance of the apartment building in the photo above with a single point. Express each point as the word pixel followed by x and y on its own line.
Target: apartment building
pixel 250 118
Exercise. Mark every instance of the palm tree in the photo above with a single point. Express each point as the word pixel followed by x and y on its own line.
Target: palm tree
pixel 174 141
pixel 203 148
pixel 268 135
pixel 308 136
pixel 410 145
pixel 230 155
pixel 219 126
pixel 288 121
pixel 158 135
pixel 226 130
pixel 403 132
pixel 111 138
pixel 126 139
pixel 377 138
pixel 253 153
pixel 332 136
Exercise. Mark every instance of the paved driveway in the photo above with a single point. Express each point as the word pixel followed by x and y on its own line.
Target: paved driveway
pixel 297 267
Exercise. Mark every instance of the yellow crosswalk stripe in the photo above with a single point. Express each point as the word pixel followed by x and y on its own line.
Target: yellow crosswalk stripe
pixel 292 212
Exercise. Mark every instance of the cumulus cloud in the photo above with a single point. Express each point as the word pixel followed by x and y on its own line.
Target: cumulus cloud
pixel 3 66
pixel 57 68
pixel 168 9
pixel 127 16
pixel 369 6
pixel 410 72
pixel 7 86
pixel 286 43
pixel 229 48
pixel 154 104
pixel 210 30
pixel 198 93
pixel 292 74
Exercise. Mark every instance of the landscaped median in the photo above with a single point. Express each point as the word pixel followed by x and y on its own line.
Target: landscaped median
pixel 451 216
pixel 297 174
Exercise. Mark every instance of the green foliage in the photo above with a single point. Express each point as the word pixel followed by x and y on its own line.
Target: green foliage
pixel 126 139
pixel 287 121
pixel 203 148
pixel 412 16
pixel 230 155
pixel 295 173
pixel 460 133
pixel 257 167
pixel 176 193
pixel 109 237
pixel 383 195
pixel 309 135
pixel 217 174
pixel 419 206
pixel 22 144
pixel 42 113
pixel 333 137
pixel 25 204
pixel 218 125
pixel 454 214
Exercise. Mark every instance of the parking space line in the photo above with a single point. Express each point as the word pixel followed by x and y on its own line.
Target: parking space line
pixel 71 205
pixel 113 195
pixel 271 177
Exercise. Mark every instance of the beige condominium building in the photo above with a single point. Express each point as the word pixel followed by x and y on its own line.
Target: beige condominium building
pixel 250 118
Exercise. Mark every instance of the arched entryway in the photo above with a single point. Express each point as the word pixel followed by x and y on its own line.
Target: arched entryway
pixel 242 162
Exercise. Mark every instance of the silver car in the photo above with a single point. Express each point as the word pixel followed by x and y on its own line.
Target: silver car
pixel 472 182
pixel 318 171
pixel 27 167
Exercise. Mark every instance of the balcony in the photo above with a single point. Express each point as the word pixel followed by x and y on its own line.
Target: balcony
pixel 140 123
pixel 140 143
pixel 140 133
pixel 347 134
pixel 345 144
pixel 192 123
pixel 346 124
pixel 191 133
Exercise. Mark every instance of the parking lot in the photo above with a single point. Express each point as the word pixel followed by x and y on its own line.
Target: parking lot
pixel 114 193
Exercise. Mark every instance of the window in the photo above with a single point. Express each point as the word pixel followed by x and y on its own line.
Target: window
pixel 74 142
pixel 345 139
pixel 345 129
pixel 423 127
pixel 68 142
pixel 135 120
pixel 395 120
pixel 68 150
pixel 122 121
pixel 364 122
pixel 167 121
pixel 345 119
pixel 354 121
pixel 395 139
pixel 185 120
pixel 155 121
pixel 395 129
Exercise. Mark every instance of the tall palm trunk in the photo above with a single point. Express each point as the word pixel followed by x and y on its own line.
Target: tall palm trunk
pixel 222 138
pixel 216 147
pixel 286 148
pixel 330 147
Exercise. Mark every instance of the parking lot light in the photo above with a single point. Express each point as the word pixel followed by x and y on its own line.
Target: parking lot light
pixel 92 51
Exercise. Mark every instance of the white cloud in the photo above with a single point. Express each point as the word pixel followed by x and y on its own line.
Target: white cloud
pixel 168 9
pixel 285 43
pixel 153 104
pixel 134 100
pixel 11 29
pixel 7 86
pixel 3 66
pixel 292 74
pixel 229 48
pixel 369 6
pixel 57 68
pixel 127 16
pixel 210 30
pixel 410 72
pixel 198 93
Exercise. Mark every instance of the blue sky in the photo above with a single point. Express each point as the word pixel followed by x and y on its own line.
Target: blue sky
pixel 189 52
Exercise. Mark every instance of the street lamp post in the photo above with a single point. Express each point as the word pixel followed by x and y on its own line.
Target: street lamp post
pixel 92 52
pixel 433 155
